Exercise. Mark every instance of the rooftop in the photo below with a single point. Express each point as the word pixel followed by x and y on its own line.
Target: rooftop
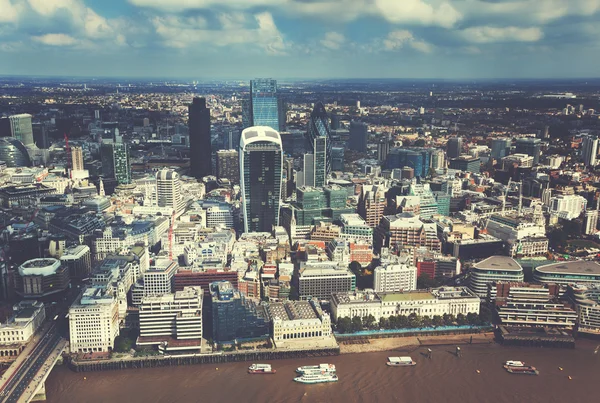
pixel 407 296
pixel 575 267
pixel 499 263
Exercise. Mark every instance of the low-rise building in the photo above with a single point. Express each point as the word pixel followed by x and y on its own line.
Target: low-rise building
pixel 579 272
pixel 587 301
pixel 37 278
pixel 299 321
pixel 440 301
pixel 322 279
pixel 18 330
pixel 493 269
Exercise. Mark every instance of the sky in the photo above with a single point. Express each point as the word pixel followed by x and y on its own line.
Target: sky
pixel 240 39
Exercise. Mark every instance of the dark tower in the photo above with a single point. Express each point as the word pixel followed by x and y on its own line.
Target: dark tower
pixel 200 148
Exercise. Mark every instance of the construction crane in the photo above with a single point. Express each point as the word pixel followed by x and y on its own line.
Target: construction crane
pixel 506 195
pixel 171 236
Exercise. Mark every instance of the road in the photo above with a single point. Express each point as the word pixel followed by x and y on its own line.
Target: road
pixel 18 383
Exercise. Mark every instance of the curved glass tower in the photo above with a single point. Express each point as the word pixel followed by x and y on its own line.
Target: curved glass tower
pixel 261 168
pixel 319 141
pixel 14 153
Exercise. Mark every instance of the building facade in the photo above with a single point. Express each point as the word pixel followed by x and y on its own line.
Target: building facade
pixel 395 278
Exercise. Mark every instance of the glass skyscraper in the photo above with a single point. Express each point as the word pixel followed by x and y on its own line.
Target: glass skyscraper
pixel 417 159
pixel 21 128
pixel 318 135
pixel 115 162
pixel 13 153
pixel 261 166
pixel 264 108
pixel 200 146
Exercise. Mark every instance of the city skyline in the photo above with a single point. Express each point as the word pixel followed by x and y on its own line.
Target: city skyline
pixel 318 39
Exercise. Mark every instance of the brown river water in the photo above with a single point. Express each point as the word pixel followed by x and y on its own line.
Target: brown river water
pixel 362 378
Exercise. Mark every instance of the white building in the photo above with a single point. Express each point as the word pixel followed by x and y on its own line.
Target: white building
pixel 93 321
pixel 580 272
pixel 172 321
pixel 589 150
pixel 494 269
pixel 587 300
pixel 18 330
pixel 321 279
pixel 395 278
pixel 158 279
pixel 168 190
pixel 299 321
pixel 445 300
pixel 568 206
pixel 591 222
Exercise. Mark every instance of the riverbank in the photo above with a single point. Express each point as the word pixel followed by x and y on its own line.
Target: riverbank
pixel 411 342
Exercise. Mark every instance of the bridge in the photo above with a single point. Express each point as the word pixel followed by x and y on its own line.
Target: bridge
pixel 24 380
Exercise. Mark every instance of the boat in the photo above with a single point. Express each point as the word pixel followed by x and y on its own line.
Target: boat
pixel 261 369
pixel 515 363
pixel 400 362
pixel 327 368
pixel 317 377
pixel 526 370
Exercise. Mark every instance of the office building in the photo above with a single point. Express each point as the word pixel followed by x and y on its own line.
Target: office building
pixel 42 277
pixel 294 322
pixel 21 128
pixel 318 136
pixel 579 272
pixel 437 302
pixel 405 230
pixel 587 300
pixel 589 150
pixel 530 146
pixel 500 148
pixel 417 159
pixel 13 153
pixel 264 107
pixel 168 190
pixel 454 147
pixel 358 136
pixel 383 149
pixel 19 328
pixel 568 207
pixel 466 163
pixel 76 159
pixel 261 166
pixel 203 278
pixel 372 203
pixel 355 227
pixel 228 165
pixel 494 269
pixel 394 278
pixel 115 161
pixel 321 279
pixel 517 160
pixel 234 316
pixel 78 260
pixel 93 321
pixel 158 279
pixel 200 143
pixel 591 222
pixel 172 322
pixel 337 158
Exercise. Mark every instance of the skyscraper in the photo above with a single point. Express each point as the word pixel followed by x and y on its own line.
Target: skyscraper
pixel 318 136
pixel 168 190
pixel 500 148
pixel 589 150
pixel 200 147
pixel 358 137
pixel 264 107
pixel 261 165
pixel 22 129
pixel 115 162
pixel 530 146
pixel 454 147
pixel 77 159
pixel 13 153
pixel 228 165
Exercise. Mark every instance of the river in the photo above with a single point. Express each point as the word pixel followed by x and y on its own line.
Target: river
pixel 362 378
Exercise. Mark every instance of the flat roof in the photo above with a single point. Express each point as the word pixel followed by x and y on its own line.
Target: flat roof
pixel 499 263
pixel 407 296
pixel 575 267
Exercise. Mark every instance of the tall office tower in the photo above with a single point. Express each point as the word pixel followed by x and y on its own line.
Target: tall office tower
pixel 530 146
pixel 228 165
pixel 383 149
pixel 589 150
pixel 318 136
pixel 261 165
pixel 115 162
pixel 5 127
pixel 77 159
pixel 22 129
pixel 200 147
pixel 168 190
pixel 358 137
pixel 591 222
pixel 264 108
pixel 454 147
pixel 500 148
pixel 13 153
pixel 438 159
pixel 335 122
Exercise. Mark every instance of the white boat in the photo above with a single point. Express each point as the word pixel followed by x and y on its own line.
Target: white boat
pixel 327 368
pixel 401 362
pixel 261 369
pixel 515 363
pixel 317 377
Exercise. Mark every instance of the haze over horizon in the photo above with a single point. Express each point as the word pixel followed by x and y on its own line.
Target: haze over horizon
pixel 445 39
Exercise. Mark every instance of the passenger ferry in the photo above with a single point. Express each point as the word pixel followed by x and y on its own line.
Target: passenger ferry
pixel 514 363
pixel 317 377
pixel 401 362
pixel 261 369
pixel 326 368
pixel 526 370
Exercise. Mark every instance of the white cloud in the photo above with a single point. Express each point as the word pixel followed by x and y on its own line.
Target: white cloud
pixel 333 40
pixel 398 39
pixel 181 5
pixel 487 34
pixel 418 12
pixel 180 32
pixel 9 12
pixel 56 40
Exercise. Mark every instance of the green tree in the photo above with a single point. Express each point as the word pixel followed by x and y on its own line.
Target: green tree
pixel 344 325
pixel 438 321
pixel 426 321
pixel 403 322
pixel 384 323
pixel 449 319
pixel 461 319
pixel 414 321
pixel 123 344
pixel 357 324
pixel 369 322
pixel 472 318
